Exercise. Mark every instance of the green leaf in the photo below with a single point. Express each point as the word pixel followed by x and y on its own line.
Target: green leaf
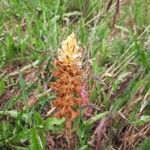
pixel 23 135
pixel 145 145
pixel 51 122
pixel 14 114
pixel 35 140
pixel 96 118
pixel 85 147
pixel 20 148
pixel 143 119
pixel 5 130
pixel 2 87
pixel 38 119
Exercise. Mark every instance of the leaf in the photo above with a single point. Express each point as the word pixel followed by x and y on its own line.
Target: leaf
pixel 6 130
pixel 2 87
pixel 22 136
pixel 85 147
pixel 12 113
pixel 145 145
pixel 35 140
pixel 50 122
pixel 143 119
pixel 20 147
pixel 38 118
pixel 96 118
pixel 15 114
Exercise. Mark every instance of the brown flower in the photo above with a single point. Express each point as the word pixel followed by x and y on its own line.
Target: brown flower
pixel 69 80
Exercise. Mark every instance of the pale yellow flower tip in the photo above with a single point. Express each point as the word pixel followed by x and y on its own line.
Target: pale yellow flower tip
pixel 70 53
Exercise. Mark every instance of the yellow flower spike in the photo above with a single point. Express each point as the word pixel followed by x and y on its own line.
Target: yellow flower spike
pixel 70 53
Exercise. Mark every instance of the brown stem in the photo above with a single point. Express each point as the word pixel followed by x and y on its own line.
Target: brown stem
pixel 68 132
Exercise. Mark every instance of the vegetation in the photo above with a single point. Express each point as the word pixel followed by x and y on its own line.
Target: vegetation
pixel 114 36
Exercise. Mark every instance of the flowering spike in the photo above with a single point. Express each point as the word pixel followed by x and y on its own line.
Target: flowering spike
pixel 70 52
pixel 69 80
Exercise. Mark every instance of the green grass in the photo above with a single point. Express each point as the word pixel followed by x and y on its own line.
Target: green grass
pixel 118 58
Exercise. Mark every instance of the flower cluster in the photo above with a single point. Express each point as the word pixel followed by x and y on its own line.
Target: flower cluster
pixel 69 80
